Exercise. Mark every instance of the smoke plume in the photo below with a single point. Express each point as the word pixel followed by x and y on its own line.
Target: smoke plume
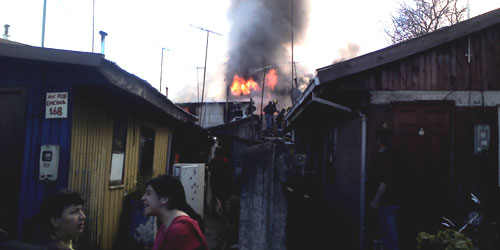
pixel 261 34
pixel 351 51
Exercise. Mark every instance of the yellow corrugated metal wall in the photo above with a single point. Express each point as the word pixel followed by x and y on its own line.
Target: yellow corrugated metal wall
pixel 90 167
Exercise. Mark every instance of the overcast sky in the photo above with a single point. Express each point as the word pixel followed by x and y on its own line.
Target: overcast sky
pixel 137 31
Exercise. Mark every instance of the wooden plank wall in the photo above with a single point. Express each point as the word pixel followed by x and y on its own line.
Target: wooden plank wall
pixel 90 167
pixel 442 68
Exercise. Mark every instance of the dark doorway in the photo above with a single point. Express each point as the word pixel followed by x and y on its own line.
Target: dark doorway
pixel 422 135
pixel 146 152
pixel 12 134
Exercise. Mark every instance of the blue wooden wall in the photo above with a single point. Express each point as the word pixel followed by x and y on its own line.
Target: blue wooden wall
pixel 39 78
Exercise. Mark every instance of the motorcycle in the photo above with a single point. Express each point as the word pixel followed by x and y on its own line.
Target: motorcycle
pixel 483 230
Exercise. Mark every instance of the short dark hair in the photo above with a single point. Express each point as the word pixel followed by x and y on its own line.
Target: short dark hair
pixel 54 204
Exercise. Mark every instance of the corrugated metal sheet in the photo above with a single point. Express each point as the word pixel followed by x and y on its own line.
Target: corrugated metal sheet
pixel 92 138
pixel 91 163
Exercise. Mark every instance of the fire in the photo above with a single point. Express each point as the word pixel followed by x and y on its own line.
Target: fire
pixel 271 79
pixel 241 86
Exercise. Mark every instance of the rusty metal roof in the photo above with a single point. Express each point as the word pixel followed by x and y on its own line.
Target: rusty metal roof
pixel 111 71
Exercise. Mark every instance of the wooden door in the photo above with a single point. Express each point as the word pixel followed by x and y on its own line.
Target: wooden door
pixel 12 135
pixel 422 135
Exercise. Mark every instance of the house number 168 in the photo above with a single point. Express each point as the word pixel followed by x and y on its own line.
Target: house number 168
pixel 55 111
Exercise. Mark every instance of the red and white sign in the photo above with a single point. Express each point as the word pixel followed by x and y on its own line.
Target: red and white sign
pixel 56 105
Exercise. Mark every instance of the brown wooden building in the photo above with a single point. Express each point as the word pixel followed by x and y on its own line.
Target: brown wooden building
pixel 440 96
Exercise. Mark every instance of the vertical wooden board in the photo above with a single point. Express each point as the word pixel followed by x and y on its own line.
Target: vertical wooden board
pixel 434 71
pixel 384 78
pixel 390 77
pixel 439 65
pixel 446 67
pixel 428 71
pixel 476 62
pixel 421 72
pixel 487 50
pixel 414 72
pixel 402 74
pixel 409 74
pixel 461 64
pixel 471 81
pixel 453 66
pixel 378 79
pixel 365 80
pixel 371 77
pixel 397 75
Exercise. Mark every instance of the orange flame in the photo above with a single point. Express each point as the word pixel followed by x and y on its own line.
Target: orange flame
pixel 241 86
pixel 271 79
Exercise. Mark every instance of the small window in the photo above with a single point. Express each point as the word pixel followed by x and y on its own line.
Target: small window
pixel 118 151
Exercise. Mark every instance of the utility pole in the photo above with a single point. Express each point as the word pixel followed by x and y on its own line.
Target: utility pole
pixel 198 81
pixel 43 21
pixel 161 67
pixel 265 68
pixel 291 90
pixel 93 23
pixel 262 99
pixel 204 70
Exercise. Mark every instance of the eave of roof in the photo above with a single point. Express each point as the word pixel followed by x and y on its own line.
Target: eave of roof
pixel 407 48
pixel 393 53
pixel 23 51
pixel 115 75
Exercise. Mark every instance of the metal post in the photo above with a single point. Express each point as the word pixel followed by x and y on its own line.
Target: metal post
pixel 161 67
pixel 362 183
pixel 262 99
pixel 204 75
pixel 93 24
pixel 204 71
pixel 43 21
pixel 226 114
pixel 291 90
pixel 198 81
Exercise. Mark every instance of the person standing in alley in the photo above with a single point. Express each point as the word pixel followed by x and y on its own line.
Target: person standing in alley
pixel 269 111
pixel 385 178
pixel 279 118
pixel 220 180
pixel 251 107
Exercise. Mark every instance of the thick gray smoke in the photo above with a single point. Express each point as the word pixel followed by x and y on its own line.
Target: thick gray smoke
pixel 261 35
pixel 350 51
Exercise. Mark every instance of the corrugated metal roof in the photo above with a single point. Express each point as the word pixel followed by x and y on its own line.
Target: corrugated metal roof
pixel 115 75
pixel 408 48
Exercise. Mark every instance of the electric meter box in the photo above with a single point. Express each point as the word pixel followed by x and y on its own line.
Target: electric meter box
pixel 49 162
pixel 481 138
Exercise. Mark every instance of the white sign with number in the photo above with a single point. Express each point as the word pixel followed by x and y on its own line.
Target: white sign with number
pixel 56 105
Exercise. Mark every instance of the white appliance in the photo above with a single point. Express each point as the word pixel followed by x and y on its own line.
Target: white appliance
pixel 192 177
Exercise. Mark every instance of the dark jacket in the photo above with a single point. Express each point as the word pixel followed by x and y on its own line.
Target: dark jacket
pixel 270 109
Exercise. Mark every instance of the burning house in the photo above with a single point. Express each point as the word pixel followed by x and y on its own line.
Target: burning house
pixel 260 66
